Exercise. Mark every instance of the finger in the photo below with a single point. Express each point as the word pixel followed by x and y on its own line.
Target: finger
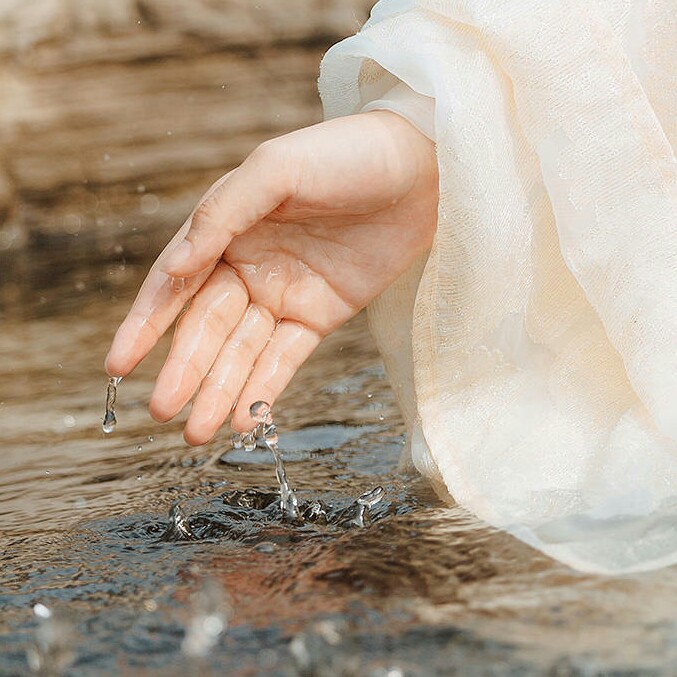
pixel 263 181
pixel 291 345
pixel 228 376
pixel 201 332
pixel 157 305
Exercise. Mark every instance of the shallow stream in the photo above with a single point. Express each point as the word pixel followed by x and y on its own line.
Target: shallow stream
pixel 90 584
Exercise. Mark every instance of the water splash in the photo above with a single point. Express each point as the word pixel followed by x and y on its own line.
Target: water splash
pixel 262 414
pixel 109 419
pixel 52 651
pixel 178 528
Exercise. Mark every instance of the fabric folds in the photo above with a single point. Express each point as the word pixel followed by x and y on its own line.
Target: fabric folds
pixel 534 351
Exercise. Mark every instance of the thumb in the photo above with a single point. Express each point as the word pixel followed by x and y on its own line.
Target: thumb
pixel 244 197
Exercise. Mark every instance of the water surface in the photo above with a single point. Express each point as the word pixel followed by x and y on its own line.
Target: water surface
pixel 425 589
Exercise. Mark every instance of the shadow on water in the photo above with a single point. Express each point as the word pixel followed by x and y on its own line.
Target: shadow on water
pixel 133 554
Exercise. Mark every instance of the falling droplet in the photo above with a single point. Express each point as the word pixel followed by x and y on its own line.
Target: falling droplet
pixel 109 419
pixel 270 434
pixel 178 284
pixel 260 412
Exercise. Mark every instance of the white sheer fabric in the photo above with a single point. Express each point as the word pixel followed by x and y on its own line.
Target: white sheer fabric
pixel 534 352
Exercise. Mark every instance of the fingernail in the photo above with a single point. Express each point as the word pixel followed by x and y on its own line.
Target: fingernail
pixel 180 256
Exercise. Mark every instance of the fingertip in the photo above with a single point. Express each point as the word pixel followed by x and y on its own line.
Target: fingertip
pixel 197 436
pixel 161 409
pixel 178 263
pixel 207 415
pixel 242 421
pixel 116 365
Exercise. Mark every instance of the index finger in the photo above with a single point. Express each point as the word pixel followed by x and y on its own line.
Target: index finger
pixel 158 303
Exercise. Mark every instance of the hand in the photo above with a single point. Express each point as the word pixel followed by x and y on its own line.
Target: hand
pixel 279 253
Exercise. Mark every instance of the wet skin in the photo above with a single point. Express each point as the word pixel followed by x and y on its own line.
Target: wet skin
pixel 279 253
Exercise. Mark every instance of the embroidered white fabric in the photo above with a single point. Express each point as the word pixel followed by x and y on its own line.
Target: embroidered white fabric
pixel 534 351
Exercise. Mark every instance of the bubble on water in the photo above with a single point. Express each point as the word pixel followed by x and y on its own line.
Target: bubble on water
pixel 178 284
pixel 210 612
pixel 52 650
pixel 109 419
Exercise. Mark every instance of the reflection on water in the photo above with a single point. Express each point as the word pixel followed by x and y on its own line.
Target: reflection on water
pixel 422 589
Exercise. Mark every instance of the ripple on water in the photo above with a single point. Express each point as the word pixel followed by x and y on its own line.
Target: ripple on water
pixel 424 590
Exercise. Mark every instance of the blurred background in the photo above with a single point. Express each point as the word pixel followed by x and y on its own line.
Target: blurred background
pixel 116 115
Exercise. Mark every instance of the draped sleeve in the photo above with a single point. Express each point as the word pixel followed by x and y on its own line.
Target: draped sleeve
pixel 534 348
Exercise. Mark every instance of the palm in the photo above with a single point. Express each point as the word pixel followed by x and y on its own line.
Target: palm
pixel 360 206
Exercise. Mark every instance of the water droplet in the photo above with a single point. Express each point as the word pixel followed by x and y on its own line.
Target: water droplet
pixel 151 438
pixel 150 605
pixel 139 447
pixel 236 440
pixel 178 284
pixel 270 434
pixel 69 421
pixel 261 413
pixel 109 419
pixel 249 442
